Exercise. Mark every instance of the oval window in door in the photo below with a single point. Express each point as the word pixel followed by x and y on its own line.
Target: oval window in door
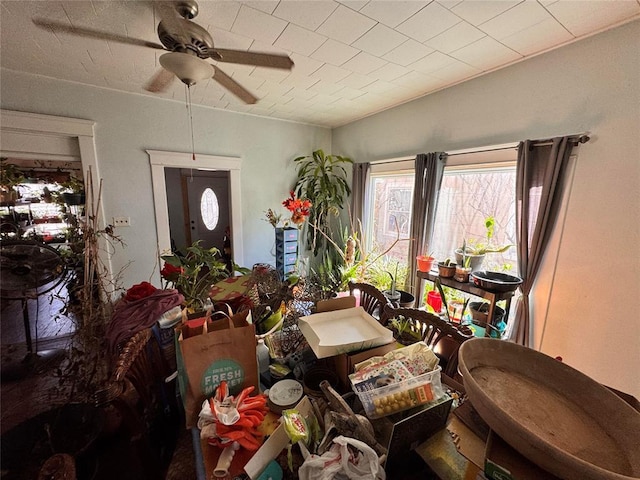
pixel 209 209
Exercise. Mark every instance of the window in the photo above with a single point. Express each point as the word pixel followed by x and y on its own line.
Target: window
pixel 390 194
pixel 209 209
pixel 475 186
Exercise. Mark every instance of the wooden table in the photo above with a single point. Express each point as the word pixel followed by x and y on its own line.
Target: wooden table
pixel 469 287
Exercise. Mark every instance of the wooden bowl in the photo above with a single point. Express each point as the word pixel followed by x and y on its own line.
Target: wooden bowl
pixel 554 415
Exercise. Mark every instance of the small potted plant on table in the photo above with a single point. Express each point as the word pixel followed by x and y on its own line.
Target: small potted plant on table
pixel 447 268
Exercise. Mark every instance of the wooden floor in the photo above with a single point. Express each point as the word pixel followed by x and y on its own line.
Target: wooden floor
pixel 28 384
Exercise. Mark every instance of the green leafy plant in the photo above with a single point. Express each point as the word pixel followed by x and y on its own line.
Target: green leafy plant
pixel 193 273
pixel 402 326
pixel 473 247
pixel 322 179
pixel 10 175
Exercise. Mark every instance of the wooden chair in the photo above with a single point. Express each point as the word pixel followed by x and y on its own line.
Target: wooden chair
pixel 445 339
pixel 141 396
pixel 371 299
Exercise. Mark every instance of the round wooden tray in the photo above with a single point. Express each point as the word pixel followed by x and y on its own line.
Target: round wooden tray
pixel 557 417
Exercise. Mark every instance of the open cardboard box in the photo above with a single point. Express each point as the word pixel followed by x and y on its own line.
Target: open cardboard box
pixel 342 331
pixel 272 447
pixel 344 364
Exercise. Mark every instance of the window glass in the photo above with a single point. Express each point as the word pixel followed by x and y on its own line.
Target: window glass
pixel 468 197
pixel 209 209
pixel 470 194
pixel 389 225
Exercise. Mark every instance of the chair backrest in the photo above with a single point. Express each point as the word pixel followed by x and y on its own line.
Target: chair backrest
pixel 444 338
pixel 371 299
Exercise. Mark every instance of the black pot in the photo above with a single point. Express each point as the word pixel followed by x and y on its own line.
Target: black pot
pixel 480 312
pixel 401 299
pixel 73 198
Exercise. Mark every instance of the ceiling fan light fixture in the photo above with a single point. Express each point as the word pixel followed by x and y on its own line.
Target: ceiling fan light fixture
pixel 188 68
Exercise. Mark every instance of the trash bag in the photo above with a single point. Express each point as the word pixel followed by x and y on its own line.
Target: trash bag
pixel 347 458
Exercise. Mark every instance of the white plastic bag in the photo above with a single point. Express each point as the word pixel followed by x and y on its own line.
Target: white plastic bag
pixel 340 463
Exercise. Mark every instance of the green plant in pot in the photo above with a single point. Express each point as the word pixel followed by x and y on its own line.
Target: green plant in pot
pixel 193 273
pixel 10 178
pixel 72 191
pixel 445 302
pixel 398 297
pixel 446 268
pixel 477 250
pixel 322 179
pixel 463 269
pixel 403 330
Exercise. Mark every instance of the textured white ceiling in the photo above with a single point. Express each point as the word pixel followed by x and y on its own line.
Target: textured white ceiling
pixel 352 58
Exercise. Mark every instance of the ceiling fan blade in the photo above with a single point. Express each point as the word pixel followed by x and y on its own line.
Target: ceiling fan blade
pixel 234 87
pixel 160 81
pixel 252 58
pixel 88 32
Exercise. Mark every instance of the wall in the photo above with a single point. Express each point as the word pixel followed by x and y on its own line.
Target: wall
pixel 129 124
pixel 586 302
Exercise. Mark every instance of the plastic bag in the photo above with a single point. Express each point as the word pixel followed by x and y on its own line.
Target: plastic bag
pixel 341 462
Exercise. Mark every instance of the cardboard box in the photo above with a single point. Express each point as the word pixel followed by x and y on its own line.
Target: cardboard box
pixel 404 431
pixel 344 364
pixel 503 462
pixel 343 331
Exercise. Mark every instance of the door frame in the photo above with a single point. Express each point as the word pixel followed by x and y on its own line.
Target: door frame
pixel 159 159
pixel 29 126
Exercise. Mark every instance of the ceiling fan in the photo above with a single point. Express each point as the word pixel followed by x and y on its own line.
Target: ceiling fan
pixel 188 45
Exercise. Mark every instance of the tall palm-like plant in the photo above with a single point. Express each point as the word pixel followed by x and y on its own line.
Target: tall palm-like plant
pixel 323 180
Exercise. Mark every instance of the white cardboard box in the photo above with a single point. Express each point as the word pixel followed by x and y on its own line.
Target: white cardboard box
pixel 343 331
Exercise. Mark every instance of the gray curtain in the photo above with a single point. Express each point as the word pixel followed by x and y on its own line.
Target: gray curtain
pixel 428 178
pixel 358 187
pixel 539 181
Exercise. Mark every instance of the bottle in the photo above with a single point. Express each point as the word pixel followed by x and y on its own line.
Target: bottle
pixel 262 354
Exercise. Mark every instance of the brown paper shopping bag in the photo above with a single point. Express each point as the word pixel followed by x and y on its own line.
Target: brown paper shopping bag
pixel 215 349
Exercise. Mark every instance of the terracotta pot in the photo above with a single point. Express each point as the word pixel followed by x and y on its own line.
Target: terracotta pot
pixel 462 274
pixel 424 262
pixel 446 271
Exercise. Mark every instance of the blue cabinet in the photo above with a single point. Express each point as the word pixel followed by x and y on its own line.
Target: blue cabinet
pixel 286 250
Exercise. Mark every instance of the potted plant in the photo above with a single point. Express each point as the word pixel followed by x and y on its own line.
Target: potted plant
pixel 447 268
pixel 463 269
pixel 477 250
pixel 72 191
pixel 403 331
pixel 193 273
pixel 447 310
pixel 10 177
pixel 398 297
pixel 322 179
pixel 425 262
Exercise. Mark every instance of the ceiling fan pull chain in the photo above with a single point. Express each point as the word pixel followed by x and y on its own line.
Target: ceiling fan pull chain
pixel 193 148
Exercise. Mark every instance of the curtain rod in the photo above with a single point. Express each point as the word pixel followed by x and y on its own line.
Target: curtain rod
pixel 580 138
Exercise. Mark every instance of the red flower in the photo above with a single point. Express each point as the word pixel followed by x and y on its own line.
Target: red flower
pixel 170 272
pixel 139 291
pixel 299 208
